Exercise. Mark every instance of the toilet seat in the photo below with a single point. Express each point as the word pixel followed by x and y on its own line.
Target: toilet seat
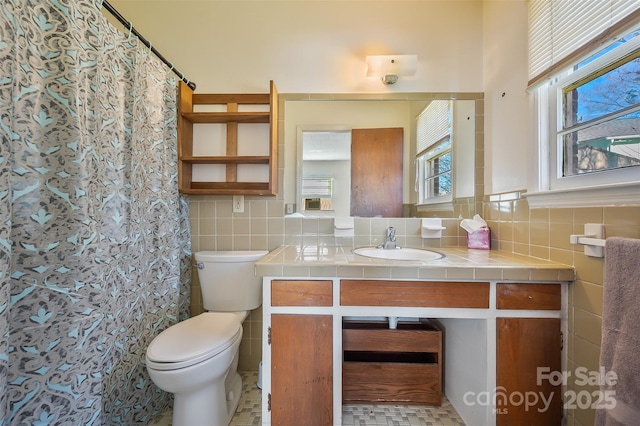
pixel 194 340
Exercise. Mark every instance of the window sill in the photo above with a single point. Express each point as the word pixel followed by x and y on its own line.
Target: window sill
pixel 446 206
pixel 595 196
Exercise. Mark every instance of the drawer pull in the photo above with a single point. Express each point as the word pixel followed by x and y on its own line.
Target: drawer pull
pixel 530 297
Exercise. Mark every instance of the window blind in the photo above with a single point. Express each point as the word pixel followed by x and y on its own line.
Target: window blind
pixel 562 31
pixel 433 124
pixel 320 186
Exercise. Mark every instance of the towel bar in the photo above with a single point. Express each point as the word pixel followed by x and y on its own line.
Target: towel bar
pixel 592 239
pixel 588 240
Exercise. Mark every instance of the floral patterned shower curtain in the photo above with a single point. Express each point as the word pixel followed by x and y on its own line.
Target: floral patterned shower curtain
pixel 94 240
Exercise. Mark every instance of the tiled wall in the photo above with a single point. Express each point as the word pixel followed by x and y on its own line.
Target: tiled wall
pixel 215 227
pixel 544 233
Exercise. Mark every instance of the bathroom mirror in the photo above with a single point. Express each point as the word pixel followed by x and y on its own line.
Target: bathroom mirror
pixel 317 133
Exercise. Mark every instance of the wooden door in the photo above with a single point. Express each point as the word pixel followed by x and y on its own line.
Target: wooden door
pixel 376 172
pixel 523 345
pixel 301 370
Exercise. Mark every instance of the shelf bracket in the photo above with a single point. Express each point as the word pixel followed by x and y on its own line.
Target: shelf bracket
pixel 592 239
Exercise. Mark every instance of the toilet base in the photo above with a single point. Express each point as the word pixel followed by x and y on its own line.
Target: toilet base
pixel 206 407
pixel 233 395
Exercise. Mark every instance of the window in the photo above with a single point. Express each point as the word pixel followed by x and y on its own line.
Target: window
pixel 317 193
pixel 317 186
pixel 434 160
pixel 561 33
pixel 436 164
pixel 601 119
pixel 595 136
pixel 586 84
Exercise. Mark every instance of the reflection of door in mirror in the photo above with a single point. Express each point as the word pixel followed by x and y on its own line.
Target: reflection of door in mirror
pixel 376 172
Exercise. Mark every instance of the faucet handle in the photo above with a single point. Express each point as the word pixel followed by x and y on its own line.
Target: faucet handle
pixel 390 239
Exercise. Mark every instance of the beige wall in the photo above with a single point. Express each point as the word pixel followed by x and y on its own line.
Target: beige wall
pixel 509 151
pixel 313 46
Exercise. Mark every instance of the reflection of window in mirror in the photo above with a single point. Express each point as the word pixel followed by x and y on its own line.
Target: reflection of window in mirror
pixel 444 168
pixel 325 165
pixel 317 193
pixel 433 145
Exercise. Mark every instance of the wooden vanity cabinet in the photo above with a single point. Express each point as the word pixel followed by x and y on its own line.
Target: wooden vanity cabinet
pixel 385 366
pixel 539 297
pixel 523 346
pixel 301 293
pixel 301 370
pixel 414 293
pixel 301 355
pixel 518 325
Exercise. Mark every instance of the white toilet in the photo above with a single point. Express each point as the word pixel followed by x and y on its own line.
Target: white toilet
pixel 197 359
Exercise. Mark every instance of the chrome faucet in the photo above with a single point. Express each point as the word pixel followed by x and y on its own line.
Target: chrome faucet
pixel 389 242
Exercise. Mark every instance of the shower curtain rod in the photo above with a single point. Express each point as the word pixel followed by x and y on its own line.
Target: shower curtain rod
pixel 127 24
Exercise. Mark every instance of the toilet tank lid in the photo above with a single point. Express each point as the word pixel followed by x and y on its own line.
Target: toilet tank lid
pixel 230 255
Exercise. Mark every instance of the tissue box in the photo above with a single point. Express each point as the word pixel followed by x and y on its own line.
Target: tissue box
pixel 480 239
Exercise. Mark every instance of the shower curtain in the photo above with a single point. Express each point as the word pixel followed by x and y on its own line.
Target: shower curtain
pixel 95 256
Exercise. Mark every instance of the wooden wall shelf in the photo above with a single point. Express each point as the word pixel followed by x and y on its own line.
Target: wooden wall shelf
pixel 230 159
pixel 231 118
pixel 226 117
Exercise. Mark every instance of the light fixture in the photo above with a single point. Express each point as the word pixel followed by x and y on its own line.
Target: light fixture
pixel 390 67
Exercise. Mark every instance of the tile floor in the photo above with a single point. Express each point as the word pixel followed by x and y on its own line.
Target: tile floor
pixel 250 406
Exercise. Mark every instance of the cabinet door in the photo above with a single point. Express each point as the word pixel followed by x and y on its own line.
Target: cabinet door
pixel 301 370
pixel 524 345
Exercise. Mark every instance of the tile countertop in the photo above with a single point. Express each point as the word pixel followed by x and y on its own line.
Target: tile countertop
pixel 458 264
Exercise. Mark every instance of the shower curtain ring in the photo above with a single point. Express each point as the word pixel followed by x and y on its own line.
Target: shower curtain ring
pixel 150 50
pixel 171 63
pixel 130 29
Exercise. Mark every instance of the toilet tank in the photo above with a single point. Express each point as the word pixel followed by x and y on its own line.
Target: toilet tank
pixel 227 280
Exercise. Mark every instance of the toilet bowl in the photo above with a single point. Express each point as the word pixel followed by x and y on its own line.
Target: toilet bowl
pixel 197 359
pixel 194 360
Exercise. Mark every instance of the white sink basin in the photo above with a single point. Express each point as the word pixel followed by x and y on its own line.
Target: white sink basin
pixel 405 253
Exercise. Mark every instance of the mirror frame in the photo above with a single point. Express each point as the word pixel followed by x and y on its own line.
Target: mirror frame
pixel 465 206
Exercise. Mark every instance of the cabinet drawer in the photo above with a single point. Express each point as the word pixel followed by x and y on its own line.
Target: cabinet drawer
pixel 375 336
pixel 384 366
pixel 414 293
pixel 391 383
pixel 301 293
pixel 529 296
